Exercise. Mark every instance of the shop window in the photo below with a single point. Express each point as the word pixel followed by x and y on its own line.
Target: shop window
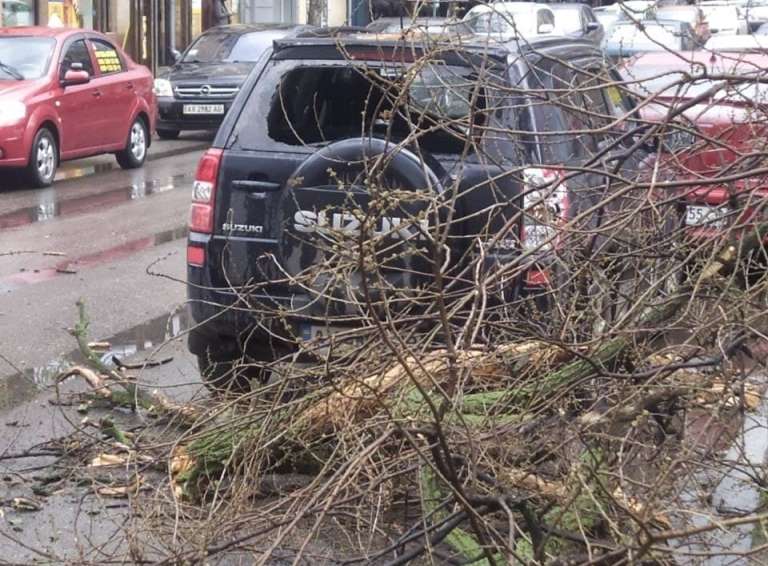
pixel 17 13
pixel 107 58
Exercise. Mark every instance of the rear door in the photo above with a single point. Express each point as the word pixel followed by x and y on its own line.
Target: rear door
pixel 607 115
pixel 81 130
pixel 576 131
pixel 117 92
pixel 299 106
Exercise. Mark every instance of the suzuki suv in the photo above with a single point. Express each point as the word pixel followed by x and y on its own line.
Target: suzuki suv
pixel 358 176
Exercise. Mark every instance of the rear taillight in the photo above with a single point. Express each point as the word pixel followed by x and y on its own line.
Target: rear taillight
pixel 204 192
pixel 545 200
pixel 195 256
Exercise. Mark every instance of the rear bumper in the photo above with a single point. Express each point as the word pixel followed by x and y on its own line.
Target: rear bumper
pixel 170 114
pixel 13 149
pixel 228 323
pixel 751 207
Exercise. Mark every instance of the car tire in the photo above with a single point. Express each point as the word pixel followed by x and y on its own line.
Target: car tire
pixel 135 152
pixel 168 134
pixel 43 159
pixel 227 375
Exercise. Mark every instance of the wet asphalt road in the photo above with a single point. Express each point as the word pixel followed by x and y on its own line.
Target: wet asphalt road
pixel 116 239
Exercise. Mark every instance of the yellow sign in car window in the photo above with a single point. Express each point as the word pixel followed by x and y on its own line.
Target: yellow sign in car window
pixel 108 60
pixel 615 95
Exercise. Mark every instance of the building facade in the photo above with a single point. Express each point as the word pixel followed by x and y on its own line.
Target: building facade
pixel 152 30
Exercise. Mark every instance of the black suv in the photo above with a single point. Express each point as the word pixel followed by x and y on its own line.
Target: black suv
pixel 196 92
pixel 422 156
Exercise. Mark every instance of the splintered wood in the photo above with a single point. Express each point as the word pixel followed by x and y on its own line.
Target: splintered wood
pixel 359 399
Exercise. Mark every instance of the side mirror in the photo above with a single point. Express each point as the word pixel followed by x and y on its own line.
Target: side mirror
pixel 75 77
pixel 546 28
pixel 175 55
pixel 593 26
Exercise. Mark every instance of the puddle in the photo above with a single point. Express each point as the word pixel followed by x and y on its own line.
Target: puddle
pixel 72 266
pixel 50 205
pixel 23 386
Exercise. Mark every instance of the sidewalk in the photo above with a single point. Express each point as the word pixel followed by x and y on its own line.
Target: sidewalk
pixel 188 142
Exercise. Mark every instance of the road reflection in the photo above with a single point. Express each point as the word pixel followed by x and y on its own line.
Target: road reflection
pixel 52 205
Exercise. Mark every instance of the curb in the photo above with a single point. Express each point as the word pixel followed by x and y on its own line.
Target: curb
pixel 89 170
pixel 178 151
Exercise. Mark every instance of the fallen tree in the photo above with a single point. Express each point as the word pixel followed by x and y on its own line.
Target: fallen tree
pixel 465 455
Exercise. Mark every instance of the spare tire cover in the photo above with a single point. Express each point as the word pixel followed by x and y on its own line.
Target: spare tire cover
pixel 357 217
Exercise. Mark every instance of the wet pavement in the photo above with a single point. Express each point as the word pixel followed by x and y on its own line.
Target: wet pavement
pixel 160 149
pixel 75 524
pixel 148 339
pixel 117 240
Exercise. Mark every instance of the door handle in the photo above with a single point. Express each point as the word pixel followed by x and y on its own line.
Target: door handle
pixel 129 86
pixel 96 93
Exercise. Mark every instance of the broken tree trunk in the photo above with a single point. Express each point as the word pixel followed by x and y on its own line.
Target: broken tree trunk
pixel 98 376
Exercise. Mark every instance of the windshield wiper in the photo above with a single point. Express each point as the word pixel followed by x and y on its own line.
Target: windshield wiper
pixel 11 71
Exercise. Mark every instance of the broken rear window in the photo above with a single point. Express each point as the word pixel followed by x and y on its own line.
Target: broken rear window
pixel 312 104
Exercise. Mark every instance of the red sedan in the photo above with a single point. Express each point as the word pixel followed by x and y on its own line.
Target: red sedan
pixel 721 143
pixel 67 94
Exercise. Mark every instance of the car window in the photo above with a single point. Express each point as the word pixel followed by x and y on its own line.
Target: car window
pixel 315 103
pixel 77 52
pixel 578 100
pixel 544 17
pixel 604 101
pixel 568 21
pixel 506 23
pixel 229 47
pixel 250 47
pixel 107 58
pixel 558 111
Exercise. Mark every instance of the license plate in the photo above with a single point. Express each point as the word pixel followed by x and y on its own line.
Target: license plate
pixel 321 339
pixel 710 216
pixel 203 109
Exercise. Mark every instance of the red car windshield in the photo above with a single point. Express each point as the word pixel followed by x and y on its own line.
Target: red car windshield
pixel 23 57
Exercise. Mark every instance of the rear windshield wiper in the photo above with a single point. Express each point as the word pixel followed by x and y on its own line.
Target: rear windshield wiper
pixel 11 71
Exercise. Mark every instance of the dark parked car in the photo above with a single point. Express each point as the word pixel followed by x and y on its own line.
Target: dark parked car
pixel 577 21
pixel 286 193
pixel 197 91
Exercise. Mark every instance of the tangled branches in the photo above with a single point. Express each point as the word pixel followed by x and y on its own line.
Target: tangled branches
pixel 525 318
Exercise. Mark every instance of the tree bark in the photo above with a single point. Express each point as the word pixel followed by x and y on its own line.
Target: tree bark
pixel 315 11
